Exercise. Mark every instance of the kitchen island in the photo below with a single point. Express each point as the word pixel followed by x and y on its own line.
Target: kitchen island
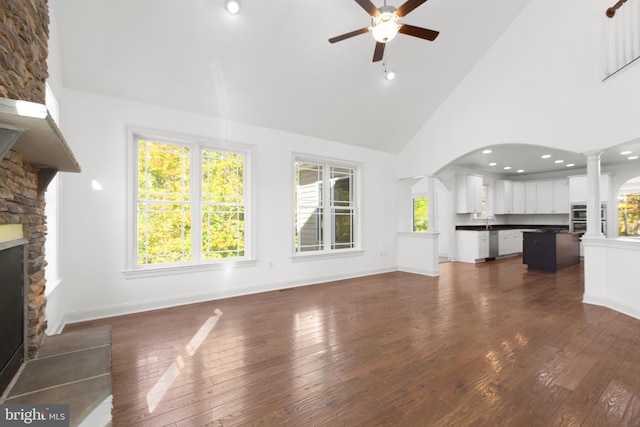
pixel 550 250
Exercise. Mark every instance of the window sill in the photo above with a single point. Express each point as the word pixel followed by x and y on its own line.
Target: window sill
pixel 141 273
pixel 312 256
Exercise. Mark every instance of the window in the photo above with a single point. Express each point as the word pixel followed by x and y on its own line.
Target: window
pixel 326 214
pixel 191 202
pixel 629 208
pixel 420 214
pixel 484 206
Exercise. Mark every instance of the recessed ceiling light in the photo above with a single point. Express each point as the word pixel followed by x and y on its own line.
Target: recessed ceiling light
pixel 570 165
pixel 232 6
pixel 546 156
pixel 632 157
pixel 492 164
pixel 624 153
pixel 507 168
pixel 520 170
pixel 487 151
pixel 559 161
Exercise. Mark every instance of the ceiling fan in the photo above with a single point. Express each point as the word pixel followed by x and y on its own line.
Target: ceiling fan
pixel 385 24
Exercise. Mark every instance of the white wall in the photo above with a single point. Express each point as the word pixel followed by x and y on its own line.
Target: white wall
pixel 93 222
pixel 539 84
pixel 54 291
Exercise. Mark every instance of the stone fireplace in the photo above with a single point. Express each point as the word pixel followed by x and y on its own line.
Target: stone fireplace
pixel 31 159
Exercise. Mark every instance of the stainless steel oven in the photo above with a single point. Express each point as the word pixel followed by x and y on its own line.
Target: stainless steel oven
pixel 579 218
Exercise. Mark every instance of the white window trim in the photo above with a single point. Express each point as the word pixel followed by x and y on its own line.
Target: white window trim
pixel 358 188
pixel 131 268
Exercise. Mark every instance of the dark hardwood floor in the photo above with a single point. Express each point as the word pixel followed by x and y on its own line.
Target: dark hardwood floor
pixel 487 344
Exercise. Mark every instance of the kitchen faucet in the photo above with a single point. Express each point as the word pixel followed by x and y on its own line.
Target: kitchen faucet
pixel 486 224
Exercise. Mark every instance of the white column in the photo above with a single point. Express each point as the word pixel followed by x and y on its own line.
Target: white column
pixel 432 204
pixel 594 217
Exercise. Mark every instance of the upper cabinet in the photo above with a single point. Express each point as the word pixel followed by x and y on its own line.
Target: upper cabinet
pixel 503 196
pixel 468 193
pixel 531 197
pixel 519 197
pixel 578 188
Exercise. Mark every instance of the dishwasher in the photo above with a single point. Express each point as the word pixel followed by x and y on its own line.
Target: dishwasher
pixel 493 244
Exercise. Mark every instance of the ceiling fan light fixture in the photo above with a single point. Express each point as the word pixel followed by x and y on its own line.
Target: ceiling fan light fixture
pixel 390 75
pixel 232 6
pixel 384 26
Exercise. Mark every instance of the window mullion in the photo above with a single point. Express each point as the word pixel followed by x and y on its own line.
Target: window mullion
pixel 196 204
pixel 327 205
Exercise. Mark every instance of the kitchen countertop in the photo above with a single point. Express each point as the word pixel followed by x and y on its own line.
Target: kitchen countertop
pixel 482 227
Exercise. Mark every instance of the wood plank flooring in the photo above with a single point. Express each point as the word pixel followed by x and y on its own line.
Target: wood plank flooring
pixel 485 344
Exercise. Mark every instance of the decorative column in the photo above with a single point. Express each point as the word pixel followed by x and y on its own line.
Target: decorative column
pixel 594 216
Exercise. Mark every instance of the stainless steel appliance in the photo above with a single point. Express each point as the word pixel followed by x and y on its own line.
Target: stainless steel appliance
pixel 494 242
pixel 579 218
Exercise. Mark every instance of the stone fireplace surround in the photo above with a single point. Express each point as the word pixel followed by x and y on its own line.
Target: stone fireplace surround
pixel 23 61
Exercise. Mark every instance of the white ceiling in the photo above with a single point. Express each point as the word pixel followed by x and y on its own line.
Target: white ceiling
pixel 272 64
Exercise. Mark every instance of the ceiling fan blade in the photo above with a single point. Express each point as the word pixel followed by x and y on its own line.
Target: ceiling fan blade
pixel 408 6
pixel 369 7
pixel 378 53
pixel 349 35
pixel 422 33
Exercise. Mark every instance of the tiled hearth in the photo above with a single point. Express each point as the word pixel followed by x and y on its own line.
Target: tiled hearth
pixel 74 369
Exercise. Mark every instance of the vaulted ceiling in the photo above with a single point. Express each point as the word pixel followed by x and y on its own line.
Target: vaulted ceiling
pixel 272 65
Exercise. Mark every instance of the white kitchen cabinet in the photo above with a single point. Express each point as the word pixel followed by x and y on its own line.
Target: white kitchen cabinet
pixel 544 197
pixel 561 196
pixel 518 198
pixel 503 197
pixel 472 245
pixel 468 193
pixel 531 197
pixel 509 242
pixel 578 188
pixel 553 196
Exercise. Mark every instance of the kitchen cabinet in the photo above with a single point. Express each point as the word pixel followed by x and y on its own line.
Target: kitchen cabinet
pixel 531 197
pixel 518 198
pixel 503 197
pixel 472 245
pixel 561 196
pixel 468 193
pixel 553 196
pixel 578 188
pixel 510 242
pixel 544 197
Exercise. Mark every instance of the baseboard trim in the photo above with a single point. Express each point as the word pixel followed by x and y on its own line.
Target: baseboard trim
pixel 155 304
pixel 432 273
pixel 613 305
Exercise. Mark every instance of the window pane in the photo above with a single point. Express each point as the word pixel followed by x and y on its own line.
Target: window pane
pixel 341 186
pixel 420 214
pixel 308 205
pixel 164 233
pixel 163 171
pixel 163 229
pixel 222 177
pixel 629 209
pixel 222 204
pixel 222 231
pixel 343 229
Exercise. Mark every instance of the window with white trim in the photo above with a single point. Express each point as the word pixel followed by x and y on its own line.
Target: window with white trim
pixel 191 202
pixel 326 211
